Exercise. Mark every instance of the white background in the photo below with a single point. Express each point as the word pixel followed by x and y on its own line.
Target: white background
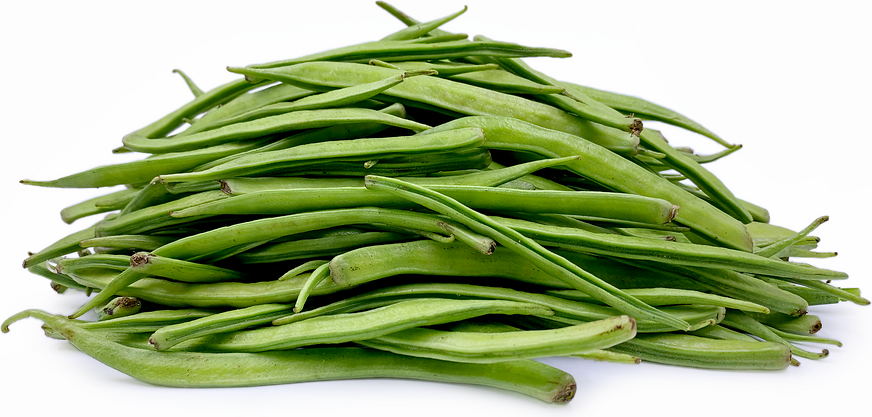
pixel 789 80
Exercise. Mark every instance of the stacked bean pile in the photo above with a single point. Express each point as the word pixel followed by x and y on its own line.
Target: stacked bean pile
pixel 429 207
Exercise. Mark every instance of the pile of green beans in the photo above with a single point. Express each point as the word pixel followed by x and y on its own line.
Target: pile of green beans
pixel 428 207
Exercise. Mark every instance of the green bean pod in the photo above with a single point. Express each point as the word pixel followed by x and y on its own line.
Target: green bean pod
pixel 351 327
pixel 322 246
pixel 136 242
pixel 303 119
pixel 498 347
pixel 224 322
pixel 412 50
pixel 341 132
pixel 699 352
pixel 308 154
pixel 184 271
pixel 119 307
pixel 194 369
pixel 201 295
pixel 589 203
pixel 807 324
pixel 196 106
pixel 144 170
pixel 97 205
pixel 153 217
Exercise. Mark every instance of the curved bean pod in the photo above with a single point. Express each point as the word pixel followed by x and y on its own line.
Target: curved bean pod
pixel 109 202
pixel 304 119
pixel 700 352
pixel 359 326
pixel 497 347
pixel 184 271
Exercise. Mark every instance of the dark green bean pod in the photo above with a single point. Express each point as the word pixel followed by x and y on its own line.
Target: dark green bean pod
pixel 136 242
pixel 700 352
pixel 341 132
pixel 590 203
pixel 192 369
pixel 144 170
pixel 309 154
pixel 109 202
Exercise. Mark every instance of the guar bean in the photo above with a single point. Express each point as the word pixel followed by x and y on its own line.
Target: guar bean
pixel 98 260
pixel 322 246
pixel 146 322
pixel 405 50
pixel 351 327
pixel 316 277
pixel 829 289
pixel 666 252
pixel 740 321
pixel 337 98
pixel 340 132
pixel 497 347
pixel 670 296
pixel 807 324
pixel 97 205
pixel 737 285
pixel 444 68
pixel 184 369
pixel 303 119
pixel 518 243
pixel 66 245
pixel 304 267
pixel 450 95
pixel 144 170
pixel 415 165
pixel 697 316
pixel 119 307
pixel 484 178
pixel 228 321
pixel 793 337
pixel 700 352
pixel 153 217
pixel 247 102
pixel 775 248
pixel 140 242
pixel 59 279
pixel 589 203
pixel 647 110
pixel 308 154
pixel 184 271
